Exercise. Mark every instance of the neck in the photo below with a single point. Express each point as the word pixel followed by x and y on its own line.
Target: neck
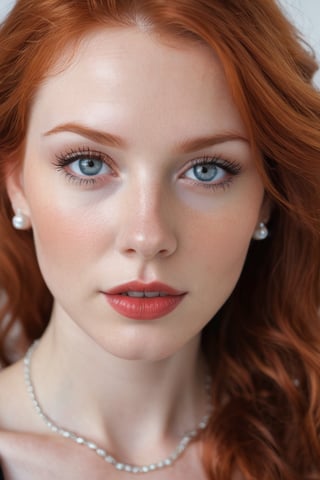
pixel 121 397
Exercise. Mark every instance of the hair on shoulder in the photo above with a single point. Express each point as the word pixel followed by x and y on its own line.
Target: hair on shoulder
pixel 263 346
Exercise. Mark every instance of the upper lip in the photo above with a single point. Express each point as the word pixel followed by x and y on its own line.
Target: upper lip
pixel 137 286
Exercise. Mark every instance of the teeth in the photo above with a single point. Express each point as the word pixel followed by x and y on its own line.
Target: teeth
pixel 135 294
pixel 151 294
pixel 139 294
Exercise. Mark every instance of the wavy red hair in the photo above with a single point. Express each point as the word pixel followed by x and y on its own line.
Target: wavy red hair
pixel 263 346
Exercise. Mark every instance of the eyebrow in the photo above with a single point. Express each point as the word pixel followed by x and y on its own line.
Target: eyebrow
pixel 97 136
pixel 199 143
pixel 105 138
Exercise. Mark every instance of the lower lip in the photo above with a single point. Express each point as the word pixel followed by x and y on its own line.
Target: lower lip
pixel 144 308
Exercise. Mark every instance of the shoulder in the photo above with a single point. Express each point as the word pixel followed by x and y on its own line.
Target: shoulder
pixel 10 408
pixel 34 456
pixel 13 398
pixel 26 451
pixel 24 456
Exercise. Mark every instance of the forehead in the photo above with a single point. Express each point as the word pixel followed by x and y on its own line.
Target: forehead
pixel 122 74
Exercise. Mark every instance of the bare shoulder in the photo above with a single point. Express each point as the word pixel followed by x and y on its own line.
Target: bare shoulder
pixel 30 456
pixel 13 398
pixel 12 417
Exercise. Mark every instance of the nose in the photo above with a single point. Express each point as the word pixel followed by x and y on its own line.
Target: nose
pixel 147 225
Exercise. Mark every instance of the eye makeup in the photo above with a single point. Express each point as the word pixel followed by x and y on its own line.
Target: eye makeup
pixel 87 167
pixel 216 172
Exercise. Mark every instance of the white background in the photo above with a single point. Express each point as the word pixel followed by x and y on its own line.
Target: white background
pixel 305 13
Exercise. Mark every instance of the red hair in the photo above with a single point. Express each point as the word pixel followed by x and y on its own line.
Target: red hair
pixel 263 346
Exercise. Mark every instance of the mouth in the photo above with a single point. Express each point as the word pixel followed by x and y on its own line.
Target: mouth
pixel 139 294
pixel 140 289
pixel 141 301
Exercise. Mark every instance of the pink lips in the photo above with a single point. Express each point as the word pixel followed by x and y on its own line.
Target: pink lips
pixel 142 301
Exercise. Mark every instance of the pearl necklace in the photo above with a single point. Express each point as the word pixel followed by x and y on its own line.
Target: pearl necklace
pixel 121 466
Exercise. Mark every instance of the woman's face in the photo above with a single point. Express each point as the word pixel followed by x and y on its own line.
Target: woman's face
pixel 137 168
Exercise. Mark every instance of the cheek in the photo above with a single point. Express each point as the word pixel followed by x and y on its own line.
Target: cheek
pixel 218 246
pixel 222 235
pixel 64 223
pixel 222 248
pixel 66 238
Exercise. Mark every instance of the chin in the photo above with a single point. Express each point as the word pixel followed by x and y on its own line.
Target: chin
pixel 142 348
pixel 144 353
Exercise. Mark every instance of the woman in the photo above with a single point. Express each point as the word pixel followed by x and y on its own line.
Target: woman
pixel 160 234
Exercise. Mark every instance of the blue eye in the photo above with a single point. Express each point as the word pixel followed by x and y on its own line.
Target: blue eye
pixel 84 166
pixel 206 172
pixel 212 172
pixel 88 166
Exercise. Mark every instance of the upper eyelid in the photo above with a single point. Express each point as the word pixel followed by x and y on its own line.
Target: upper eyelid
pixel 69 156
pixel 83 150
pixel 72 154
pixel 231 166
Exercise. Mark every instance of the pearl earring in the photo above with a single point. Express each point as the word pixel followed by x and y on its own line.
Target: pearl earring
pixel 20 221
pixel 261 233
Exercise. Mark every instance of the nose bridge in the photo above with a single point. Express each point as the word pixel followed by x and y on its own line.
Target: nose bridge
pixel 148 198
pixel 147 227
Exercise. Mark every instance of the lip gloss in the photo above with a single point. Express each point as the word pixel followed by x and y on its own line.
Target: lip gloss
pixel 144 307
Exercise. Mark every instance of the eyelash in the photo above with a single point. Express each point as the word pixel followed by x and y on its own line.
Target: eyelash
pixel 232 167
pixel 64 159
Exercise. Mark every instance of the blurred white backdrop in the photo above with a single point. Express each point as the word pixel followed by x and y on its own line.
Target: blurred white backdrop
pixel 305 14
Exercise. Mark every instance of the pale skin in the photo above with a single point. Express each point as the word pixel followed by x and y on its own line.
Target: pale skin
pixel 147 216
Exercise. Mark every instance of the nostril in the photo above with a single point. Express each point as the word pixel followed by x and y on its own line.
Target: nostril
pixel 132 251
pixel 132 241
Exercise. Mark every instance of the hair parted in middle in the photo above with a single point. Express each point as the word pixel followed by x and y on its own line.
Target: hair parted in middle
pixel 267 334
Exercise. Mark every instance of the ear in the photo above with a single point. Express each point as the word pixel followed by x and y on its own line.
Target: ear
pixel 15 190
